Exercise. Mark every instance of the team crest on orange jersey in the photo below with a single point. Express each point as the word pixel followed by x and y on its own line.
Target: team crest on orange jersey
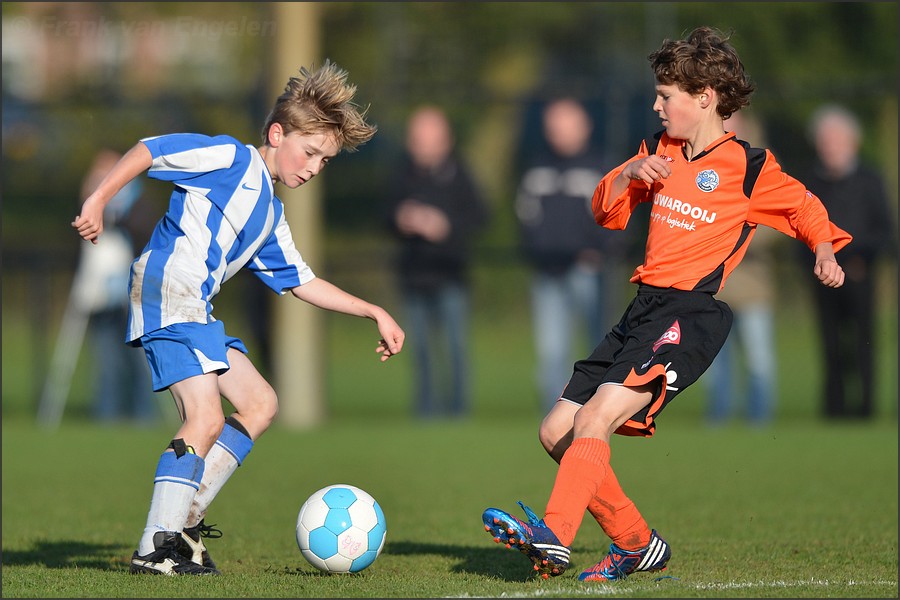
pixel 707 180
pixel 672 335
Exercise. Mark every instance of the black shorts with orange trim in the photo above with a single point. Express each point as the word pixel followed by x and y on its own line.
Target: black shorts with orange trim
pixel 666 337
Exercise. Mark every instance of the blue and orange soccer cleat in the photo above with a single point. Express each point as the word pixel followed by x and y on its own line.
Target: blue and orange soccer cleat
pixel 533 539
pixel 619 564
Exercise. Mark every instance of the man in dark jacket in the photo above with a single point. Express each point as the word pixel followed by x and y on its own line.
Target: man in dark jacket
pixel 855 197
pixel 435 209
pixel 575 281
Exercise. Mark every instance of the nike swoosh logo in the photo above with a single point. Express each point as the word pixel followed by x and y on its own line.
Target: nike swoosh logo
pixel 247 187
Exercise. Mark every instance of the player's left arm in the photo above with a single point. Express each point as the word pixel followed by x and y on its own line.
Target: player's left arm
pixel 322 294
pixel 785 204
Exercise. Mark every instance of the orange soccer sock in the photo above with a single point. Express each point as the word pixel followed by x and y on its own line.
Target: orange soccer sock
pixel 581 472
pixel 617 515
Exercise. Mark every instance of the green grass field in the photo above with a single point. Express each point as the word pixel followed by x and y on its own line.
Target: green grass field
pixel 802 508
pixel 797 510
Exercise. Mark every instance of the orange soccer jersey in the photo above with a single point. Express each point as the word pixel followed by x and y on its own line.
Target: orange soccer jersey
pixel 706 212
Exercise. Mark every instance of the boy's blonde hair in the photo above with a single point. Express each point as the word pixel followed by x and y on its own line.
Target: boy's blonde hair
pixel 704 59
pixel 321 102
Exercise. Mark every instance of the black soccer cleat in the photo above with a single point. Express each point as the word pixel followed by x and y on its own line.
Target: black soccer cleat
pixel 192 547
pixel 165 559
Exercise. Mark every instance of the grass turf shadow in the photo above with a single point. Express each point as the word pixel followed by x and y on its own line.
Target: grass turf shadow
pixel 70 554
pixel 497 561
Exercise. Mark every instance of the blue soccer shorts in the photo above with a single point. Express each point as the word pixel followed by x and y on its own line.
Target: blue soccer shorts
pixel 666 337
pixel 184 350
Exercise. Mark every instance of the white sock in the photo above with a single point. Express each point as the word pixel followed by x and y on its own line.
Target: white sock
pixel 220 464
pixel 226 455
pixel 174 487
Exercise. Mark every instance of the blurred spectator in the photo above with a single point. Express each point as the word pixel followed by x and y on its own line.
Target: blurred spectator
pixel 434 210
pixel 121 387
pixel 749 352
pixel 575 282
pixel 855 196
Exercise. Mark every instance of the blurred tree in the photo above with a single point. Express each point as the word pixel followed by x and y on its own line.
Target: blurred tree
pixel 486 61
pixel 117 71
pixel 81 75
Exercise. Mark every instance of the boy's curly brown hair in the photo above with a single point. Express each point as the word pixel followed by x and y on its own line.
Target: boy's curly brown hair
pixel 705 58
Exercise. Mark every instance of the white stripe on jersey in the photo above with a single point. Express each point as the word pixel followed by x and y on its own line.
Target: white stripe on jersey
pixel 135 285
pixel 237 213
pixel 196 160
pixel 182 282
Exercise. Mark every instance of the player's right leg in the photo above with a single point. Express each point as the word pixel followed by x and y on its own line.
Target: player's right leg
pixel 177 479
pixel 191 377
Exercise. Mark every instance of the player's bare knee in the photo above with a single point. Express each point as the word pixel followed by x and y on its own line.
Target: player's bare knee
pixel 594 421
pixel 547 435
pixel 270 413
pixel 216 429
pixel 268 407
pixel 204 421
pixel 261 413
pixel 212 429
pixel 555 435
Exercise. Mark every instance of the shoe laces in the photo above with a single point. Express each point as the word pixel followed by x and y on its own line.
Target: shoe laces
pixel 533 518
pixel 208 531
pixel 613 562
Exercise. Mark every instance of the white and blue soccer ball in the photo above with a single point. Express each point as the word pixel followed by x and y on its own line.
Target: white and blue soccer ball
pixel 341 529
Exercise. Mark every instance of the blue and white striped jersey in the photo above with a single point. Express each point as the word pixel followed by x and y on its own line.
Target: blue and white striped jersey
pixel 223 216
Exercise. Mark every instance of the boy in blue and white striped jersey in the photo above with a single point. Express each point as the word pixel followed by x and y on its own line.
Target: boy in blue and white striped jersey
pixel 224 216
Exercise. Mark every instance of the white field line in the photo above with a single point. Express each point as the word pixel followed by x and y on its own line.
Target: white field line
pixel 618 589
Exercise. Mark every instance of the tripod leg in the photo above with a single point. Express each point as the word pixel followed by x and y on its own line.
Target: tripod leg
pixel 62 365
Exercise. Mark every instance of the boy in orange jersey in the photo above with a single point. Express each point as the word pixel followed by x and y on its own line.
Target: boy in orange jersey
pixel 709 191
